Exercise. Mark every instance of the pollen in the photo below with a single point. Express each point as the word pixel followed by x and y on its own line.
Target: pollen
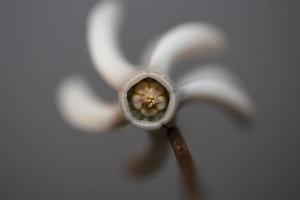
pixel 149 97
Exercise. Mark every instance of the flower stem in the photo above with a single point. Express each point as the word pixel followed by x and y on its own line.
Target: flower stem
pixel 185 162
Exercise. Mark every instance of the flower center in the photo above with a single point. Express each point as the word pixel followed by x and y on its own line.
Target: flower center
pixel 148 99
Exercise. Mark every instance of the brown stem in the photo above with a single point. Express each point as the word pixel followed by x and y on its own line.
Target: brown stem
pixel 185 162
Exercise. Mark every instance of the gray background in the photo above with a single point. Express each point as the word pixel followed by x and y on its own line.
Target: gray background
pixel 41 157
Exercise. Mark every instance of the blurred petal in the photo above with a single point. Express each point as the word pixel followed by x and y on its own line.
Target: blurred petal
pixel 102 34
pixel 216 86
pixel 82 109
pixel 152 158
pixel 147 52
pixel 187 40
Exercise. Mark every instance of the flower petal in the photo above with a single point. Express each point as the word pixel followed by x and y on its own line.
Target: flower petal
pixel 102 34
pixel 185 41
pixel 157 88
pixel 137 101
pixel 142 88
pixel 82 109
pixel 216 86
pixel 149 112
pixel 161 103
pixel 152 158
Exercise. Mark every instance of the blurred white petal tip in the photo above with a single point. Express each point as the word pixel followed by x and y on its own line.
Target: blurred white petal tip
pixel 103 29
pixel 84 110
pixel 216 86
pixel 184 41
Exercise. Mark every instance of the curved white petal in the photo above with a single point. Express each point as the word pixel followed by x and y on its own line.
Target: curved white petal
pixel 84 110
pixel 216 86
pixel 213 72
pixel 184 41
pixel 103 31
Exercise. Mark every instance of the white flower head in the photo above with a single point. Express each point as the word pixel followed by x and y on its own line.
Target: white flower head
pixel 148 98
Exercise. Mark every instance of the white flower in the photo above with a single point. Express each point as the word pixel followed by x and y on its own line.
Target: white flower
pixel 147 96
